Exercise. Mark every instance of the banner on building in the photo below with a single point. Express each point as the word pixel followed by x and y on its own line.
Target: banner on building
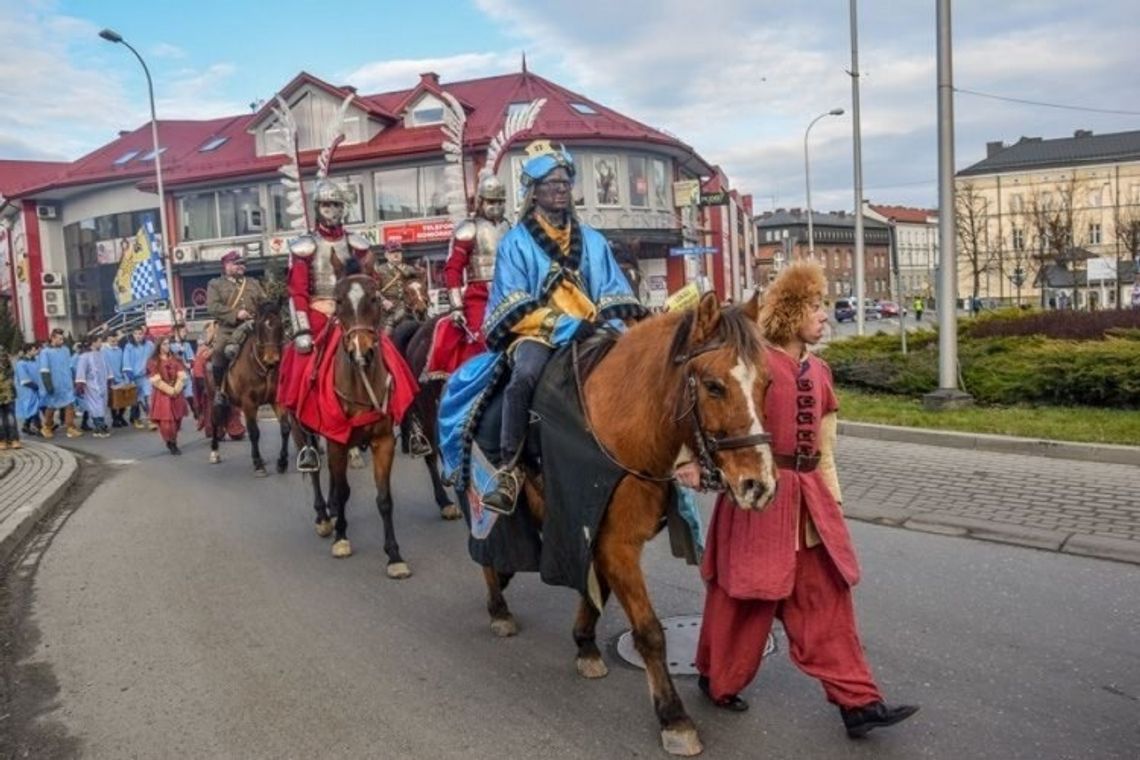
pixel 140 278
pixel 686 192
pixel 410 233
pixel 686 298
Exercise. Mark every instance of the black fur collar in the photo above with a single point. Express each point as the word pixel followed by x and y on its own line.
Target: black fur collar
pixel 574 258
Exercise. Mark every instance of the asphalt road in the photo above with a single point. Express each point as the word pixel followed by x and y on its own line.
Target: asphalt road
pixel 188 610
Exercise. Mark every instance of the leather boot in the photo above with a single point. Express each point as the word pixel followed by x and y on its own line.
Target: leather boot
pixel 860 720
pixel 505 496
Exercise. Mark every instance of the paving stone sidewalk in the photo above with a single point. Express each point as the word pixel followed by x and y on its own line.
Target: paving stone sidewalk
pixel 1063 505
pixel 32 480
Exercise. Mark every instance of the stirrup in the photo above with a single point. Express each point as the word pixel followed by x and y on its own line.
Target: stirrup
pixel 505 497
pixel 308 460
pixel 418 443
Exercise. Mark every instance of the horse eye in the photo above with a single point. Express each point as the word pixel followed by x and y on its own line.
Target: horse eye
pixel 714 388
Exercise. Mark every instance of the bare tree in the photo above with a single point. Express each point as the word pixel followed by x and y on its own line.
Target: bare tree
pixel 1025 264
pixel 1126 226
pixel 972 222
pixel 1054 220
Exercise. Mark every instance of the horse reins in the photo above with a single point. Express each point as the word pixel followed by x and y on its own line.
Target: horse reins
pixel 706 445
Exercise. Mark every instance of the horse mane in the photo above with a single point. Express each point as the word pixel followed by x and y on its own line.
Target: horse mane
pixel 735 330
pixel 265 308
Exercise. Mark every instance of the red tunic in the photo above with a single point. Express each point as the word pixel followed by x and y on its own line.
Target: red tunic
pixel 450 344
pixel 752 555
pixel 162 406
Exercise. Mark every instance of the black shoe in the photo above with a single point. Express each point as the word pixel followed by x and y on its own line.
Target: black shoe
pixel 860 720
pixel 308 460
pixel 506 493
pixel 732 702
pixel 173 447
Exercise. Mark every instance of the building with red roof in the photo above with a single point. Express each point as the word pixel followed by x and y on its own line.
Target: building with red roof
pixel 222 191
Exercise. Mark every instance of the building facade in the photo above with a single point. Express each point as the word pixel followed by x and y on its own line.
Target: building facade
pixel 914 234
pixel 75 220
pixel 1051 222
pixel 782 237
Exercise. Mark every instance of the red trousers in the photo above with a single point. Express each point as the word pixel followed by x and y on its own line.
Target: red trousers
pixel 818 617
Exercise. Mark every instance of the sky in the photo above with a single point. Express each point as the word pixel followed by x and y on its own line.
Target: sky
pixel 739 80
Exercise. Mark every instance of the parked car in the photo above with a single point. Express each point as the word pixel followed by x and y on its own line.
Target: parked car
pixel 888 308
pixel 844 309
pixel 871 309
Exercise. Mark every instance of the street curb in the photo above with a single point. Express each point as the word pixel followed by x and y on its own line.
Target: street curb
pixel 17 525
pixel 1101 453
pixel 1082 544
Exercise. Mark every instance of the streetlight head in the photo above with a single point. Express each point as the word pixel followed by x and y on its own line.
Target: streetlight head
pixel 111 35
pixel 833 111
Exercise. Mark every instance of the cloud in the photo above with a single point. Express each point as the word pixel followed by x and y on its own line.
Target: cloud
pixel 741 79
pixel 386 76
pixel 166 50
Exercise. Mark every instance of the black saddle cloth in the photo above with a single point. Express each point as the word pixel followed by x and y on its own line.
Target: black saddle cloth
pixel 578 485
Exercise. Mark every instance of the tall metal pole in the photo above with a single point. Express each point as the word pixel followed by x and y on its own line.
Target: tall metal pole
pixel 112 36
pixel 860 268
pixel 807 176
pixel 948 395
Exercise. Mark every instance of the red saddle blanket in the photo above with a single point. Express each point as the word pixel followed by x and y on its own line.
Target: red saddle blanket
pixel 312 397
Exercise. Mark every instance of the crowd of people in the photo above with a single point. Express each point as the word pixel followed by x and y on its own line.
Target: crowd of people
pixel 100 383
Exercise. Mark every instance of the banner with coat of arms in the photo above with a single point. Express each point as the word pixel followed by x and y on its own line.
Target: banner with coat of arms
pixel 141 277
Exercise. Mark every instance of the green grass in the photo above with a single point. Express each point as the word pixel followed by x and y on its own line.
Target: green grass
pixel 1056 423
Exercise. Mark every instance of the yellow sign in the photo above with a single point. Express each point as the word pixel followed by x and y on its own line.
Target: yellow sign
pixel 686 298
pixel 686 192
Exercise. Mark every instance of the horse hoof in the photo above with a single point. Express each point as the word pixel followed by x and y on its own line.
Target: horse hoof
pixel 504 627
pixel 215 457
pixel 592 667
pixel 682 742
pixel 325 528
pixel 450 512
pixel 259 472
pixel 342 549
pixel 399 570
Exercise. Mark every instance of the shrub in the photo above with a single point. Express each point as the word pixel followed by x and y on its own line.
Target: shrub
pixel 1065 325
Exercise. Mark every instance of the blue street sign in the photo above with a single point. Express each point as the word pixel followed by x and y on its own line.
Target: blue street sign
pixel 692 250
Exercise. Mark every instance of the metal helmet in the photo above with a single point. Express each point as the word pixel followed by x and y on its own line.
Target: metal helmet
pixel 491 188
pixel 328 191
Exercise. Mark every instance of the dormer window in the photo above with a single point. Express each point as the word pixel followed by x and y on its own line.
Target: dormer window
pixel 125 157
pixel 428 113
pixel 151 154
pixel 213 144
pixel 519 105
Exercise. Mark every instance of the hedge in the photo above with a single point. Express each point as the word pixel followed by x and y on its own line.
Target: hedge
pixel 1007 370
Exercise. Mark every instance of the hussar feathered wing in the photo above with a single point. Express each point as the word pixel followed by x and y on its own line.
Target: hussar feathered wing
pixel 283 139
pixel 455 172
pixel 337 137
pixel 516 123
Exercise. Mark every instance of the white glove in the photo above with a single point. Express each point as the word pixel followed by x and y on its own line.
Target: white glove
pixel 457 317
pixel 303 342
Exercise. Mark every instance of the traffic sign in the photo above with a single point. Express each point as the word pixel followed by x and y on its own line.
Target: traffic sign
pixel 692 250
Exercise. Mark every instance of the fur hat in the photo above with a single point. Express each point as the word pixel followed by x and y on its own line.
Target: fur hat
pixel 788 298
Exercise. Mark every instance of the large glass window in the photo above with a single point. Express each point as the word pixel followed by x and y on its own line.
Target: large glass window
pixel 410 193
pixel 433 190
pixel 638 182
pixel 199 216
pixel 240 212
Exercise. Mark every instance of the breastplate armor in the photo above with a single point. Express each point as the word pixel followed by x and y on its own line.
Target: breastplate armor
pixel 481 262
pixel 323 282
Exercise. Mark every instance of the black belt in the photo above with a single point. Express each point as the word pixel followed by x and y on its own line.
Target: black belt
pixel 797 462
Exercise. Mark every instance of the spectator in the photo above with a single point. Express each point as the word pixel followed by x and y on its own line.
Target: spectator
pixel 919 307
pixel 113 358
pixel 9 428
pixel 137 351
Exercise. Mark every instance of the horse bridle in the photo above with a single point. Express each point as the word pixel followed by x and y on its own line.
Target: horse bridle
pixel 707 445
pixel 263 369
pixel 373 400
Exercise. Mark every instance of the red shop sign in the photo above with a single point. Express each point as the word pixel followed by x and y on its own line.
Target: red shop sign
pixel 409 233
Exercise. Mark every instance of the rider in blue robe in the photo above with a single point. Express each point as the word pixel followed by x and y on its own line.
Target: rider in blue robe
pixel 555 280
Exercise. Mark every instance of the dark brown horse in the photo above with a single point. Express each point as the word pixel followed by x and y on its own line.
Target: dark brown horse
pixel 250 382
pixel 426 410
pixel 360 382
pixel 690 381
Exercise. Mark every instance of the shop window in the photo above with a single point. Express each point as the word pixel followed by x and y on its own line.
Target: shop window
pixel 638 182
pixel 199 216
pixel 240 212
pixel 433 190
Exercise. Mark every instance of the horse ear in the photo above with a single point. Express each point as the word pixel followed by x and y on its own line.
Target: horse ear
pixel 752 307
pixel 708 317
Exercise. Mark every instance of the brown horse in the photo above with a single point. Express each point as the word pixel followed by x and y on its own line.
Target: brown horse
pixel 691 381
pixel 250 382
pixel 360 382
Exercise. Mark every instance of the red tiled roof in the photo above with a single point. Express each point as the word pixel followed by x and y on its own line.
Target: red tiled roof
pixel 17 176
pixel 905 213
pixel 487 99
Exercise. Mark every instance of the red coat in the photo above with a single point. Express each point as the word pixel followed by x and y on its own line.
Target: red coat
pixel 162 406
pixel 752 555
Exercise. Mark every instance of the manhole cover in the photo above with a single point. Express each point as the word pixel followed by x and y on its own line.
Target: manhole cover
pixel 681 634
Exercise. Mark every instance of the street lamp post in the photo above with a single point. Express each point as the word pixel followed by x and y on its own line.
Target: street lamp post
pixel 112 36
pixel 807 175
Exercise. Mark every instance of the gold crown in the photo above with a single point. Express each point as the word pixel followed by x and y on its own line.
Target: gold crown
pixel 539 148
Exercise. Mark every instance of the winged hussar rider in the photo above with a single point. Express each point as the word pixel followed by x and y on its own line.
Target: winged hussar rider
pixel 471 258
pixel 315 262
